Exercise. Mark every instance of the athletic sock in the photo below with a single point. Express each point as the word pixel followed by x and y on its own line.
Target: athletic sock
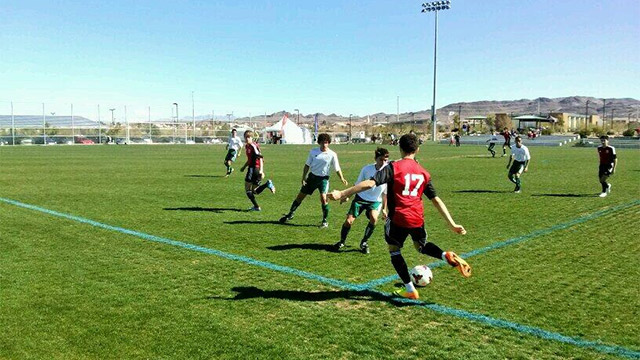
pixel 604 186
pixel 401 266
pixel 409 286
pixel 518 182
pixel 252 198
pixel 228 168
pixel 261 188
pixel 294 206
pixel 432 250
pixel 325 212
pixel 512 178
pixel 367 232
pixel 344 232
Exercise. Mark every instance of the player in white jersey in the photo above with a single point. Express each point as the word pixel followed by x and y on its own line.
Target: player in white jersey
pixel 371 201
pixel 233 146
pixel 317 167
pixel 492 143
pixel 521 157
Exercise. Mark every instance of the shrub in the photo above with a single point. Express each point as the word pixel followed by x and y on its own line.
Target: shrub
pixel 546 132
pixel 584 133
pixel 611 132
pixel 628 132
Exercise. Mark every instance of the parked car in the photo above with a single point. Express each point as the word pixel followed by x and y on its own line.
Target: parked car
pixel 84 141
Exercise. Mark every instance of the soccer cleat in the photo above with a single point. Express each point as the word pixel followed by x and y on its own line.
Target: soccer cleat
pixel 323 225
pixel 406 294
pixel 517 191
pixel 271 186
pixel 604 194
pixel 255 208
pixel 285 218
pixel 364 247
pixel 608 188
pixel 454 260
pixel 338 246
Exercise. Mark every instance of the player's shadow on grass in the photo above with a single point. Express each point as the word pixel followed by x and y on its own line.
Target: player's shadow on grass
pixel 483 191
pixel 265 222
pixel 567 195
pixel 214 210
pixel 204 176
pixel 252 292
pixel 320 247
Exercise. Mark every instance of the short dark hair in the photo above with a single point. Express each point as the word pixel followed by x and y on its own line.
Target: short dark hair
pixel 604 137
pixel 409 143
pixel 381 152
pixel 248 132
pixel 324 137
pixel 234 130
pixel 518 138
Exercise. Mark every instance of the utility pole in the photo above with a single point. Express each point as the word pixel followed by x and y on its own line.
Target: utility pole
pixel 586 115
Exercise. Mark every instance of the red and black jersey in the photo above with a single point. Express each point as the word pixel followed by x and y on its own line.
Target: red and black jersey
pixel 507 135
pixel 406 182
pixel 607 154
pixel 253 154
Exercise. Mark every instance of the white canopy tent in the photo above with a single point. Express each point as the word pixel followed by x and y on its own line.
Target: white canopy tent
pixel 290 132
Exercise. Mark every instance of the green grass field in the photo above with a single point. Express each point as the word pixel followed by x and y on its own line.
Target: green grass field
pixel 566 288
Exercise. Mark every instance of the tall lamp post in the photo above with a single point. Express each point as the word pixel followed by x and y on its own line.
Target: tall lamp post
pixel 193 117
pixel 435 6
pixel 297 116
pixel 350 115
pixel 175 126
pixel 586 115
pixel 113 122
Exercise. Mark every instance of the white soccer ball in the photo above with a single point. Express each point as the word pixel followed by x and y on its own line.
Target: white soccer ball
pixel 421 275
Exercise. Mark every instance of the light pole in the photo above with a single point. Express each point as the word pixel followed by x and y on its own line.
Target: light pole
pixel 586 115
pixel 193 117
pixel 297 116
pixel 435 6
pixel 175 126
pixel 350 115
pixel 113 122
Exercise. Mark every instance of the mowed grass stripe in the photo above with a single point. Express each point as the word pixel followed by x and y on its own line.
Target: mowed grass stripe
pixel 519 239
pixel 493 322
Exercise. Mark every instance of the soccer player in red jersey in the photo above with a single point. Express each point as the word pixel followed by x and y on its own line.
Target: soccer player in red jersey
pixel 406 182
pixel 507 141
pixel 255 172
pixel 608 162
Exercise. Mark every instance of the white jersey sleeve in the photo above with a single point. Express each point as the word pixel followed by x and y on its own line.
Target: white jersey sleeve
pixel 335 162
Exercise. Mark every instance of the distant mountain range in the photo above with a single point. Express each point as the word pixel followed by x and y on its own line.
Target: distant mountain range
pixel 621 108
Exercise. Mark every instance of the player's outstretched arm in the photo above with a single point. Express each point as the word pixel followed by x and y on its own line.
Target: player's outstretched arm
pixel 305 170
pixel 444 212
pixel 360 187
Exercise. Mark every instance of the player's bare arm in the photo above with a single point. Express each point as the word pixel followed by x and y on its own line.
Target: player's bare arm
pixel 360 187
pixel 344 181
pixel 385 209
pixel 526 165
pixel 444 212
pixel 509 163
pixel 305 170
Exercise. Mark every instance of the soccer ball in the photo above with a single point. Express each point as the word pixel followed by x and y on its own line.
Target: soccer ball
pixel 421 275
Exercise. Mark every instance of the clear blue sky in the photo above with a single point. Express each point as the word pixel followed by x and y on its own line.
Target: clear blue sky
pixel 337 56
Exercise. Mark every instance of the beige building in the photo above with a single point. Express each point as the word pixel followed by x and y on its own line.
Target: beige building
pixel 571 122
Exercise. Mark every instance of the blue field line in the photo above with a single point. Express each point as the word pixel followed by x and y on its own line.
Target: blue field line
pixel 519 239
pixel 441 309
pixel 181 244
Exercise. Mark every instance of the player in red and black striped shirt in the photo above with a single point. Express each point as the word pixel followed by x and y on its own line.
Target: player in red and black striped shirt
pixel 608 162
pixel 406 182
pixel 255 171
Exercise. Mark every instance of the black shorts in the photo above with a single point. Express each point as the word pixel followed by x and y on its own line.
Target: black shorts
pixel 507 143
pixel 605 170
pixel 396 235
pixel 253 176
